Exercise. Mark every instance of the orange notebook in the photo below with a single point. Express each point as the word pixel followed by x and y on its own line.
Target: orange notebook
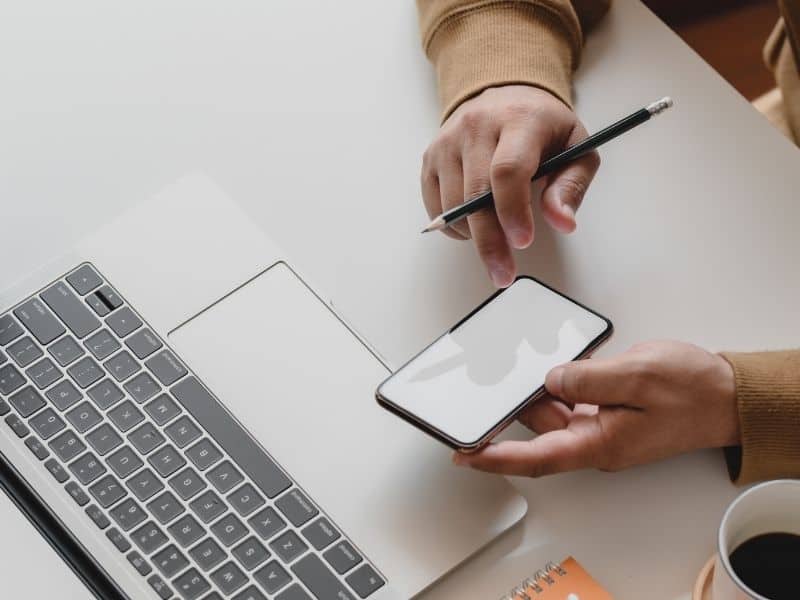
pixel 565 581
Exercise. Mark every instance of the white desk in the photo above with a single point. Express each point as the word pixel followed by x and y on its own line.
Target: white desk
pixel 325 107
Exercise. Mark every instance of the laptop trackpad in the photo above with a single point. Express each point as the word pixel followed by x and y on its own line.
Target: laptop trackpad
pixel 303 385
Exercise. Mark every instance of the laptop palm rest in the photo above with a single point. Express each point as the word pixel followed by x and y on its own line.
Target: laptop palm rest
pixel 303 385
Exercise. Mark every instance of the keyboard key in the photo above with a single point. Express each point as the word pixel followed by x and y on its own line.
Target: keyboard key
pixel 37 448
pixel 149 538
pixel 123 322
pixel 9 330
pixel 125 416
pixel 160 587
pixel 208 554
pixel 318 578
pixel 208 506
pixel 165 507
pixel 17 426
pixel 229 530
pixel 225 431
pixel 85 372
pixel 62 301
pixel 120 542
pixel 187 483
pixel 191 585
pixel 294 592
pixel 66 350
pixel 145 484
pixel 10 379
pixel 225 476
pixel 97 516
pixel 84 280
pixel 288 546
pixel 204 454
pixel 139 563
pixel 47 423
pixel 142 387
pixel 87 468
pixel 4 408
pixel 267 523
pixel 342 557
pixel 296 507
pixel 166 367
pixel 213 596
pixel 166 461
pixel 124 462
pixel 250 553
pixel 128 514
pixel 26 401
pixel 63 395
pixel 77 493
pixel 162 409
pixel 187 530
pixel 38 319
pixel 24 351
pixel 109 297
pixel 143 343
pixel 105 394
pixel 146 438
pixel 107 491
pixel 229 578
pixel 170 561
pixel 44 373
pixel 272 577
pixel 246 499
pixel 122 366
pixel 56 470
pixel 83 417
pixel 3 357
pixel 183 432
pixel 320 533
pixel 67 446
pixel 250 593
pixel 98 306
pixel 104 439
pixel 102 344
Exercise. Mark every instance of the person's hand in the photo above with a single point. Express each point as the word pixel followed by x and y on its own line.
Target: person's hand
pixel 497 140
pixel 656 400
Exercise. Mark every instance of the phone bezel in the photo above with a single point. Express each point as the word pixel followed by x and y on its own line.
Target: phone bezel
pixel 512 414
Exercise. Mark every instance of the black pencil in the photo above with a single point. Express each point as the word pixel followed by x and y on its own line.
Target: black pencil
pixel 486 200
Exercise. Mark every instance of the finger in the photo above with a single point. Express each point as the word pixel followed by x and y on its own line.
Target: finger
pixel 451 190
pixel 553 452
pixel 476 158
pixel 563 195
pixel 547 414
pixel 431 195
pixel 601 382
pixel 514 163
pixel 492 246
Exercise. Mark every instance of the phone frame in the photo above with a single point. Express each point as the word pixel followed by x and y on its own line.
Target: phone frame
pixel 513 413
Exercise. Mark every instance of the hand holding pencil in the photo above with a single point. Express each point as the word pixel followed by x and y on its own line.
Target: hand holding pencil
pixel 488 151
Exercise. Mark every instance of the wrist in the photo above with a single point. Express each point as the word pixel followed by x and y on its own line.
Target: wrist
pixel 729 429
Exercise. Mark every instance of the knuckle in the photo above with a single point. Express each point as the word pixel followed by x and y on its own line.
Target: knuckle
pixel 473 121
pixel 574 384
pixel 506 169
pixel 574 186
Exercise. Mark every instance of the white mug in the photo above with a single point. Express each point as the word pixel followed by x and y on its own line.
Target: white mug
pixel 770 507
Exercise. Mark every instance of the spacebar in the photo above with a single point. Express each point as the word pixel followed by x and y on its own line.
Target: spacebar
pixel 229 434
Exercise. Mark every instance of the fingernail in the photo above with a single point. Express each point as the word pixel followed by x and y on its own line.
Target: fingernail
pixel 520 238
pixel 567 210
pixel 500 277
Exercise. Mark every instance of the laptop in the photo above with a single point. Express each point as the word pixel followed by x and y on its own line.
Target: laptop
pixel 183 416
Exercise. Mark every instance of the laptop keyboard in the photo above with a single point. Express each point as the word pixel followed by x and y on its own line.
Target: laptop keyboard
pixel 199 510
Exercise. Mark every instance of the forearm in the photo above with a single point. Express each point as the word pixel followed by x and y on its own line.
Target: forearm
pixel 768 400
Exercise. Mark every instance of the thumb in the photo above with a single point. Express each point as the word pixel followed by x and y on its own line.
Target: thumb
pixel 592 381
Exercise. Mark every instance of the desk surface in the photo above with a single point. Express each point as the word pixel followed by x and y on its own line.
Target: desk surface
pixel 688 231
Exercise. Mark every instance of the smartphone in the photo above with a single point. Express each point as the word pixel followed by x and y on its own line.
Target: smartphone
pixel 475 379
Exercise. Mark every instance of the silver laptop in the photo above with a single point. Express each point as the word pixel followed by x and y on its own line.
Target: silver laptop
pixel 183 416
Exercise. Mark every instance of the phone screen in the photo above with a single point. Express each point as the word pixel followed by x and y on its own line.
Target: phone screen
pixel 465 384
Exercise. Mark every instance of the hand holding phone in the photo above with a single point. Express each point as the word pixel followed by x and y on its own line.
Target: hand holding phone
pixel 475 379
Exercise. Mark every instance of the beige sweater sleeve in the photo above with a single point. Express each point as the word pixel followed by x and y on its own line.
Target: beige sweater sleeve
pixel 768 397
pixel 476 44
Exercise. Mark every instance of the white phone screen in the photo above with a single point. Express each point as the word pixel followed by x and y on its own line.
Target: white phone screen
pixel 470 379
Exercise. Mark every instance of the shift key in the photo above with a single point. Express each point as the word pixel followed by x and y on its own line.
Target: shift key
pixel 63 301
pixel 39 321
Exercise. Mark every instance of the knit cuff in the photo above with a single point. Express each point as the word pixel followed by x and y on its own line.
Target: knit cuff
pixel 768 399
pixel 502 44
